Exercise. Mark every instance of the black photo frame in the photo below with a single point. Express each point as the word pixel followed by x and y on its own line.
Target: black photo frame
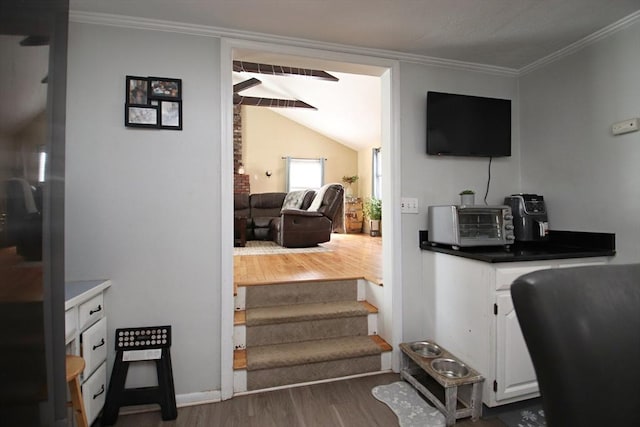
pixel 165 88
pixel 153 102
pixel 170 114
pixel 137 90
pixel 143 116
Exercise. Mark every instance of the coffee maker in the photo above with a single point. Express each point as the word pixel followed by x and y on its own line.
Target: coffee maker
pixel 530 221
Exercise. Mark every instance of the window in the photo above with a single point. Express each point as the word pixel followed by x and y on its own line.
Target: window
pixel 42 163
pixel 304 173
pixel 376 169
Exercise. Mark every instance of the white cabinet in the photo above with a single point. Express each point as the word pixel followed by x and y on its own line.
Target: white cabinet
pixel 470 312
pixel 515 375
pixel 86 335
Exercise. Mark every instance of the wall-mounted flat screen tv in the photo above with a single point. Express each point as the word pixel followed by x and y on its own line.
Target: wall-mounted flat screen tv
pixel 464 125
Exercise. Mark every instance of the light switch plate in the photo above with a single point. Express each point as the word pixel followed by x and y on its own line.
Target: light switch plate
pixel 409 205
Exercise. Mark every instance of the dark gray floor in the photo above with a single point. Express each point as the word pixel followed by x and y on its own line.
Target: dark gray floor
pixel 347 403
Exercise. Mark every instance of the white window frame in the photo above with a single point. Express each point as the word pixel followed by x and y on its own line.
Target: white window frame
pixel 304 174
pixel 376 174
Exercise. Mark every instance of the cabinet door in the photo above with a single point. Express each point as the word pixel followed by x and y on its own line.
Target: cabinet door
pixel 514 370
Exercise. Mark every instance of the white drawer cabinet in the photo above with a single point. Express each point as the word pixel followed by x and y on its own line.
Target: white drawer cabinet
pixel 94 391
pixel 86 335
pixel 471 314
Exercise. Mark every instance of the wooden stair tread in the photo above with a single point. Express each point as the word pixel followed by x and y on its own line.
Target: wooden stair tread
pixel 239 317
pixel 239 360
pixel 384 346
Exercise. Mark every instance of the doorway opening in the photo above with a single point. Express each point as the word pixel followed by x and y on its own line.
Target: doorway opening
pixel 269 177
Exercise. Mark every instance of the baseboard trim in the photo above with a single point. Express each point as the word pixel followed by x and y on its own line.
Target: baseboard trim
pixel 182 401
pixel 198 398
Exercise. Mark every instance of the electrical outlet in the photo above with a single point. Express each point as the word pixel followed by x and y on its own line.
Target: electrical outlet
pixel 625 126
pixel 409 205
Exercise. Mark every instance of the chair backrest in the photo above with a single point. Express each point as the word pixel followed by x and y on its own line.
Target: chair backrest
pixel 332 202
pixel 582 329
pixel 266 204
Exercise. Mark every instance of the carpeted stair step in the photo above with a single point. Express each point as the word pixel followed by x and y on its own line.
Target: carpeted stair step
pixel 300 293
pixel 272 356
pixel 301 312
pixel 305 322
pixel 275 365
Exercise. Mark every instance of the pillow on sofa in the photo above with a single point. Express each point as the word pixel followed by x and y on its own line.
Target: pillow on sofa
pixel 294 199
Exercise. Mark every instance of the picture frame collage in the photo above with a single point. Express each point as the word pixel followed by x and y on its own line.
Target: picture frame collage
pixel 153 102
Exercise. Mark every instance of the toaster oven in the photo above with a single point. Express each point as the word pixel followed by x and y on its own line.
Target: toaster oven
pixel 464 226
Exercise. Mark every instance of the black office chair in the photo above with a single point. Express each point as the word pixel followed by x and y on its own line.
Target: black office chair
pixel 582 329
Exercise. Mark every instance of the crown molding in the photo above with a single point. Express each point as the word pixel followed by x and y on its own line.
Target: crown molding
pixel 583 43
pixel 208 31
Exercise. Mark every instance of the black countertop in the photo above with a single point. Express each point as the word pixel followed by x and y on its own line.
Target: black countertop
pixel 560 245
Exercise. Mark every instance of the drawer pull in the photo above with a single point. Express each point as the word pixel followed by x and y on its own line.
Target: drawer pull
pixel 96 310
pixel 99 345
pixel 100 392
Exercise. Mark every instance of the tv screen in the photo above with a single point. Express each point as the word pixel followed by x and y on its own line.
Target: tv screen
pixel 463 125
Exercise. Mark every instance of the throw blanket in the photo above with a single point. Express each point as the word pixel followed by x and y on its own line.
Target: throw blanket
pixel 294 199
pixel 317 200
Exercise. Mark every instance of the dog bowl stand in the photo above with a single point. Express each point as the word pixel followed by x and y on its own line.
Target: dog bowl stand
pixel 454 397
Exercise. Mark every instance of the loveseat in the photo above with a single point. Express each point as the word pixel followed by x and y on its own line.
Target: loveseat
pixel 286 218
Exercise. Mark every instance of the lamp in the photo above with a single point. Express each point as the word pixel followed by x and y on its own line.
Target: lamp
pixel 268 174
pixel 240 169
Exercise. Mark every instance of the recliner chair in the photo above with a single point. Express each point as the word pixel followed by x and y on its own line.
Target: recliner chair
pixel 582 329
pixel 300 228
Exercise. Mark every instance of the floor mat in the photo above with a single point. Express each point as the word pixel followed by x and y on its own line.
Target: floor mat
pixel 410 408
pixel 532 416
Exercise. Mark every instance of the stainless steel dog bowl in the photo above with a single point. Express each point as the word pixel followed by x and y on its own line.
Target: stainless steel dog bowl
pixel 425 349
pixel 450 368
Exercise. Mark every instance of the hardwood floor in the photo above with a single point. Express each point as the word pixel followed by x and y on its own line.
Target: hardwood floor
pixel 351 256
pixel 347 403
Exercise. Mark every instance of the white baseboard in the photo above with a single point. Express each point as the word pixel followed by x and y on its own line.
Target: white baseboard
pixel 182 400
pixel 198 398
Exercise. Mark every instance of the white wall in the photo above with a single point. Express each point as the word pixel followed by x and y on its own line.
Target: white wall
pixel 141 205
pixel 267 137
pixel 438 180
pixel 590 179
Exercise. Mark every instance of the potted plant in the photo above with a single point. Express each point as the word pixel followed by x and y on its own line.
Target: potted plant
pixel 373 210
pixel 348 180
pixel 467 197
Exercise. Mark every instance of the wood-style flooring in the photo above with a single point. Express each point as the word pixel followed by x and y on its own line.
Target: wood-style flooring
pixel 347 403
pixel 351 256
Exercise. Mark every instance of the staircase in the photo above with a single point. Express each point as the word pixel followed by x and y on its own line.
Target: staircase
pixel 304 331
